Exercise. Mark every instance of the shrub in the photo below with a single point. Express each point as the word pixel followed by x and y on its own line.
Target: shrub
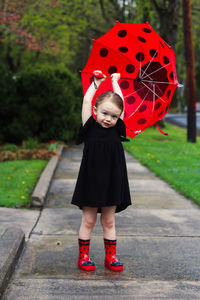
pixel 10 147
pixel 52 146
pixel 45 103
pixel 30 143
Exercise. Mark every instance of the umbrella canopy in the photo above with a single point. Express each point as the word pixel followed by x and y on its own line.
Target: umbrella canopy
pixel 147 67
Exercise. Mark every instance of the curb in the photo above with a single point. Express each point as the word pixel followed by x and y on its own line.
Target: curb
pixel 11 246
pixel 42 186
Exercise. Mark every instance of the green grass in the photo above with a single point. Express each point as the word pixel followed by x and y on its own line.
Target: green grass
pixel 171 158
pixel 17 181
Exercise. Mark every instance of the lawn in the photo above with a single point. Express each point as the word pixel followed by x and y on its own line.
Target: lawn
pixel 17 181
pixel 171 158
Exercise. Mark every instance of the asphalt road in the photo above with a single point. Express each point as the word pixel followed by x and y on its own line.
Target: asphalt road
pixel 181 120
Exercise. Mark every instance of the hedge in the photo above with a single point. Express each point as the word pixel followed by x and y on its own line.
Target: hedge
pixel 43 103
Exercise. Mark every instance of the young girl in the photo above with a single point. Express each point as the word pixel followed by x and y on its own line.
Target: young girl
pixel 102 184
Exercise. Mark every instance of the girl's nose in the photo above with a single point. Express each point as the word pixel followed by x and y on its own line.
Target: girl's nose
pixel 108 118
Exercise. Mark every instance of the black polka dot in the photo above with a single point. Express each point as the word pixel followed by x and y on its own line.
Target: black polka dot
pixel 160 114
pixel 91 79
pixel 123 49
pixel 130 100
pixel 122 33
pixel 140 56
pixel 130 68
pixel 162 44
pixel 125 115
pixel 153 53
pixel 124 84
pixel 171 75
pixel 141 121
pixel 147 30
pixel 165 60
pixel 103 52
pixel 112 69
pixel 167 108
pixel 141 39
pixel 168 93
pixel 143 108
pixel 157 106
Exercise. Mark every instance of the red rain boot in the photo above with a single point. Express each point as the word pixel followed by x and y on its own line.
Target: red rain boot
pixel 84 261
pixel 111 261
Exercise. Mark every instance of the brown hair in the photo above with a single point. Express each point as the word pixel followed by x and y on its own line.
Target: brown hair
pixel 112 97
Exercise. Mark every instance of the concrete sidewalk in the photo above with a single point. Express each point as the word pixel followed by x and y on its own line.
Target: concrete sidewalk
pixel 158 242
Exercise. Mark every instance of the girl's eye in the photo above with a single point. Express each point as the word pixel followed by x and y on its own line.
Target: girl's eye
pixel 104 113
pixel 114 117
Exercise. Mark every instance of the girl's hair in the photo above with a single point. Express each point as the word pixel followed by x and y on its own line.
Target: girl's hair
pixel 112 97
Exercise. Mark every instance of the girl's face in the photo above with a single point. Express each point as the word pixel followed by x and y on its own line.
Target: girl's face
pixel 107 113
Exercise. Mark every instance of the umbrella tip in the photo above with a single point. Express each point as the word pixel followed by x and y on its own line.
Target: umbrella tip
pixel 80 71
pixel 117 21
pixel 93 40
pixel 180 85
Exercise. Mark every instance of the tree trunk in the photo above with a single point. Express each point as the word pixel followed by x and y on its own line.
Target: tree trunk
pixel 190 72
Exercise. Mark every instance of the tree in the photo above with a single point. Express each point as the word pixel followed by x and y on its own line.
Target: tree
pixel 16 29
pixel 190 72
pixel 168 12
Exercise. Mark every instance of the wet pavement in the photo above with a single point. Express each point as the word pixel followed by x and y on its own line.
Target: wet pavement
pixel 158 242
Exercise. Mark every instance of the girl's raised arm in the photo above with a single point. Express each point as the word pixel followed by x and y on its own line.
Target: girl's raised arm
pixel 87 99
pixel 116 88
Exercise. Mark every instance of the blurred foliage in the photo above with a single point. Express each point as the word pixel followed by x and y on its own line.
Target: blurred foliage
pixel 38 35
pixel 43 103
pixel 30 143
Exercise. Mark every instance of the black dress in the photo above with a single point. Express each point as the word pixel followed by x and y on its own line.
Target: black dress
pixel 102 179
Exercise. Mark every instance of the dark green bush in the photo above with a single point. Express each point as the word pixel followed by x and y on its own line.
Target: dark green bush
pixel 10 147
pixel 43 103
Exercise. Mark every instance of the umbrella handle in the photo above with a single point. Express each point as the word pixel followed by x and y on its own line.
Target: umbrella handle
pixel 98 74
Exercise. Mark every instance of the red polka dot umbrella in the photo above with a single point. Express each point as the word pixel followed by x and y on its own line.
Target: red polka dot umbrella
pixel 147 67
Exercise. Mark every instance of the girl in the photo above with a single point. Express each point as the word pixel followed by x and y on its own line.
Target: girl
pixel 102 184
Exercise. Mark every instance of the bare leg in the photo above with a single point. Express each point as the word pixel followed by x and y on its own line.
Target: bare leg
pixel 108 222
pixel 89 217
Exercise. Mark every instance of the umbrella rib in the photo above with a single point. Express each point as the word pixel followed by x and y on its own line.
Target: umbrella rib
pixel 134 92
pixel 157 70
pixel 147 75
pixel 149 62
pixel 159 82
pixel 159 88
pixel 153 98
pixel 139 105
pixel 154 92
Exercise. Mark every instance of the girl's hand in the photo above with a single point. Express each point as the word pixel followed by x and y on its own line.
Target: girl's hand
pixel 115 76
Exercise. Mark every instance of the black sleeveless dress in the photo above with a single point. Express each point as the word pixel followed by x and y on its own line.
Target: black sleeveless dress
pixel 102 179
